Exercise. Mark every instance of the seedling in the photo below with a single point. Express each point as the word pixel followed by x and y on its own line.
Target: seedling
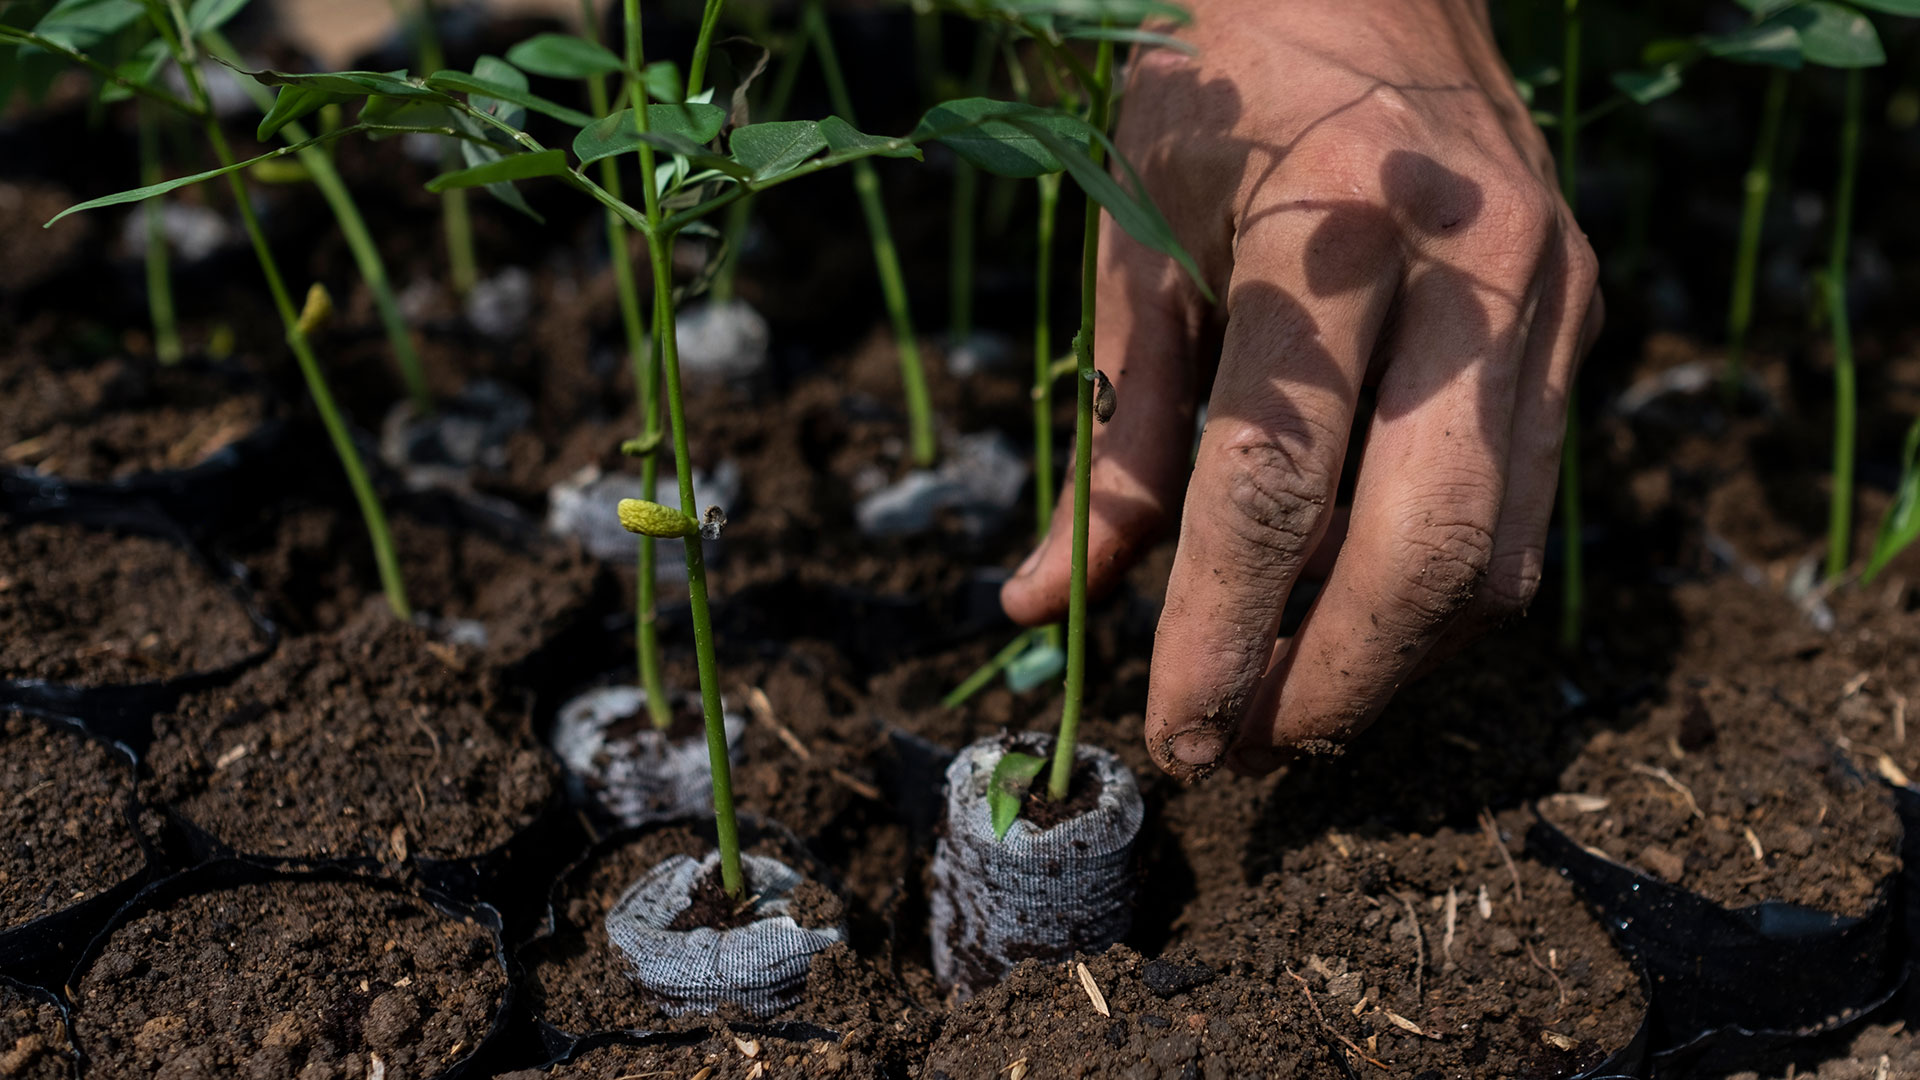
pixel 69 28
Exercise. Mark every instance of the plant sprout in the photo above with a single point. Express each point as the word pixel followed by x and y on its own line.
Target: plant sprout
pixel 456 221
pixel 175 27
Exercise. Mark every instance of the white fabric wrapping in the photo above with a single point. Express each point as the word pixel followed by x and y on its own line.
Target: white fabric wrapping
pixel 1044 894
pixel 640 776
pixel 761 966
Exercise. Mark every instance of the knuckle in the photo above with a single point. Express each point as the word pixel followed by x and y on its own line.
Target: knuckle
pixel 1275 493
pixel 1443 565
pixel 1511 582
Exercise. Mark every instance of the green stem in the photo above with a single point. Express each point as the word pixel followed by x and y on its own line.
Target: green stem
pixel 985 672
pixel 1845 395
pixel 660 254
pixel 702 46
pixel 456 221
pixel 353 227
pixel 376 519
pixel 886 260
pixel 966 197
pixel 739 213
pixel 1573 585
pixel 646 376
pixel 1746 261
pixel 1043 494
pixel 1100 96
pixel 166 333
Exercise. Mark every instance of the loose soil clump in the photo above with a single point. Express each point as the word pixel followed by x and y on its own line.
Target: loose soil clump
pixel 63 810
pixel 119 417
pixel 1446 952
pixel 95 608
pixel 320 979
pixel 373 742
pixel 33 1040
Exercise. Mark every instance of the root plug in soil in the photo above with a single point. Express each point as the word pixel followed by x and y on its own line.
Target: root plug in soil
pixel 323 980
pixel 1439 953
pixel 374 742
pixel 1154 1018
pixel 33 1041
pixel 470 587
pixel 95 608
pixel 118 417
pixel 63 811
pixel 1726 790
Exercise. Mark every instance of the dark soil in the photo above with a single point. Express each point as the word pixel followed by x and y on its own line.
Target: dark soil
pixel 722 1054
pixel 1083 794
pixel 374 742
pixel 95 608
pixel 315 979
pixel 711 907
pixel 1729 787
pixel 117 417
pixel 33 1040
pixel 63 809
pixel 1044 1017
pixel 521 597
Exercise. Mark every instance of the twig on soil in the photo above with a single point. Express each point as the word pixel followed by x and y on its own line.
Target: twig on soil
pixel 1484 905
pixel 1667 778
pixel 1314 1006
pixel 1753 842
pixel 1900 718
pixel 1446 939
pixel 1093 990
pixel 1492 830
pixel 1551 974
pixel 762 711
pixel 1419 951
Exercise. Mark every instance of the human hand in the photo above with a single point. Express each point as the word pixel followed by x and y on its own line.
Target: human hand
pixel 1363 189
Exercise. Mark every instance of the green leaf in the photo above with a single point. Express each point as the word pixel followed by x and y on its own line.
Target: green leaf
pixel 352 84
pixel 1646 87
pixel 479 156
pixel 508 167
pixel 141 67
pixel 1133 36
pixel 1034 667
pixel 495 70
pixel 980 131
pixel 294 102
pixel 207 15
pixel 1773 43
pixel 1766 8
pixel 1131 210
pixel 82 24
pixel 662 81
pixel 140 193
pixel 767 150
pixel 1892 7
pixel 1835 36
pixel 1120 12
pixel 1008 788
pixel 477 89
pixel 563 56
pixel 1902 524
pixel 1663 51
pixel 617 134
pixel 848 142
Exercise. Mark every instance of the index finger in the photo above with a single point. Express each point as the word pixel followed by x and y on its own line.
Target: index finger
pixel 1263 482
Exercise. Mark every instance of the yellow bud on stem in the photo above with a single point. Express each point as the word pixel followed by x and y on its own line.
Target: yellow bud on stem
pixel 652 519
pixel 319 307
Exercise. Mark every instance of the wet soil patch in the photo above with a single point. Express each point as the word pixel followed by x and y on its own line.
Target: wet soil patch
pixel 63 810
pixel 310 978
pixel 1727 787
pixel 1083 794
pixel 97 608
pixel 1044 1016
pixel 118 417
pixel 1450 952
pixel 33 1040
pixel 373 742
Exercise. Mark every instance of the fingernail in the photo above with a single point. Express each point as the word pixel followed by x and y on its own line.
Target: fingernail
pixel 1198 747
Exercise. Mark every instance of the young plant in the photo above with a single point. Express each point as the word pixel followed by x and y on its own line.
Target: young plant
pixel 166 332
pixel 174 27
pixel 456 222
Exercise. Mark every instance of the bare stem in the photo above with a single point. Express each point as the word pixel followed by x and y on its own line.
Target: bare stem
pixel 1845 394
pixel 166 333
pixel 1759 186
pixel 1043 494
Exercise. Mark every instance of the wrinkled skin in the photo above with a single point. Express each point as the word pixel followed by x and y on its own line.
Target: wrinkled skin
pixel 1367 197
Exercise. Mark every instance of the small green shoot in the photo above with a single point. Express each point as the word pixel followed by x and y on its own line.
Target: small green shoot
pixel 1901 526
pixel 1007 790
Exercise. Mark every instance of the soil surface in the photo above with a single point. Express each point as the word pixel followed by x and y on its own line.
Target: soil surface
pixel 95 608
pixel 33 1040
pixel 373 742
pixel 64 801
pixel 117 417
pixel 1728 786
pixel 315 979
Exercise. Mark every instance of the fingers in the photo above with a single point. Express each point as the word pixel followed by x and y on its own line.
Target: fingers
pixel 1269 462
pixel 1564 327
pixel 1143 342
